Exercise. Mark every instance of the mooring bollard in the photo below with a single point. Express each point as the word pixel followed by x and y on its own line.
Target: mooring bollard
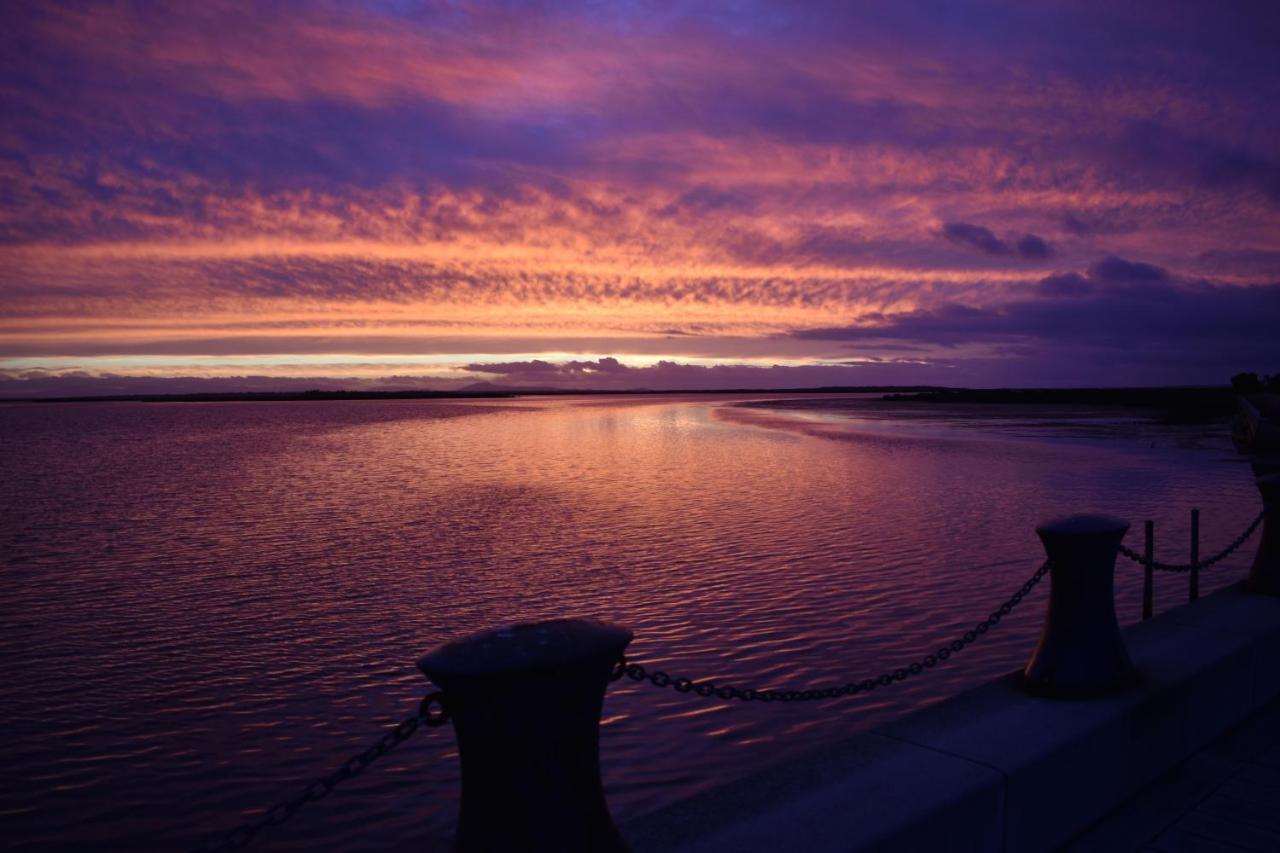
pixel 1081 652
pixel 1264 574
pixel 525 702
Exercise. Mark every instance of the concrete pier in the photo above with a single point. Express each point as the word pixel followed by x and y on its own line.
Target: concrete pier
pixel 996 769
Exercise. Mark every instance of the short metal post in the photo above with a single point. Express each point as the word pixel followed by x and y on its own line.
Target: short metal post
pixel 1148 568
pixel 1194 591
pixel 1264 574
pixel 1081 651
pixel 525 703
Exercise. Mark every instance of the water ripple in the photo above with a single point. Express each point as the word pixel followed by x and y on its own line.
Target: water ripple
pixel 203 605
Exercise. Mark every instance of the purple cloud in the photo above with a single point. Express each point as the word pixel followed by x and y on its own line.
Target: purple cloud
pixel 1028 246
pixel 739 175
pixel 975 236
pixel 608 374
pixel 1117 270
pixel 1170 153
pixel 1033 248
pixel 1122 308
pixel 1065 284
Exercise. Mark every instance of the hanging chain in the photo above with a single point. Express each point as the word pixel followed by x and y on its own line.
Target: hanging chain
pixel 708 688
pixel 433 712
pixel 1203 564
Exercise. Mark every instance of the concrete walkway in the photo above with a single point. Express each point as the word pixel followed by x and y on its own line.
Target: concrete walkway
pixel 1224 799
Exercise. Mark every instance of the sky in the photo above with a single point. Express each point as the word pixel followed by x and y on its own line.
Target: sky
pixel 221 196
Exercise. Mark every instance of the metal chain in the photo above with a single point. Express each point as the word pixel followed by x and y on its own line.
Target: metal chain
pixel 1203 564
pixel 433 712
pixel 708 688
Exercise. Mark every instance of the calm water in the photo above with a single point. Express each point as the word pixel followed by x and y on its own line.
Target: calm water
pixel 202 605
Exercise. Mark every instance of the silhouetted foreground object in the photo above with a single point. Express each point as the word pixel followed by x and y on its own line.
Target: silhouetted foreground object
pixel 525 703
pixel 1264 574
pixel 1081 652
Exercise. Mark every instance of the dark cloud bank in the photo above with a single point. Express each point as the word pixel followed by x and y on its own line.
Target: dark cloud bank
pixel 1118 312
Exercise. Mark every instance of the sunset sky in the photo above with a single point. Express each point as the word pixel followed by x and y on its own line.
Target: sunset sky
pixel 214 196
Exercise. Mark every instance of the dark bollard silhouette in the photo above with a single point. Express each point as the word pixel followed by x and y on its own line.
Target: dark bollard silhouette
pixel 1081 652
pixel 1264 574
pixel 525 702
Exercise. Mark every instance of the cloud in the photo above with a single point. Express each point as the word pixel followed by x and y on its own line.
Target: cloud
pixel 1028 246
pixel 975 236
pixel 538 369
pixel 576 171
pixel 608 373
pixel 1124 309
pixel 1112 270
pixel 1118 219
pixel 1076 225
pixel 1065 284
pixel 1246 260
pixel 1033 248
pixel 1170 152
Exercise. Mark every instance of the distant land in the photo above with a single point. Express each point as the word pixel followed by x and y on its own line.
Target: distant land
pixel 479 390
pixel 1174 404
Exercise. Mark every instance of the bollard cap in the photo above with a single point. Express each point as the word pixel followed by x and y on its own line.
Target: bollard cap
pixel 527 646
pixel 1082 525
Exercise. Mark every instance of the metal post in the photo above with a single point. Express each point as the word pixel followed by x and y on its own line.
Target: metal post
pixel 1264 574
pixel 1081 651
pixel 1194 591
pixel 1148 568
pixel 525 702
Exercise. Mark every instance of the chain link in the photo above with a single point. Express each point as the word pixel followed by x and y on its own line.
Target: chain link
pixel 1203 564
pixel 709 688
pixel 433 712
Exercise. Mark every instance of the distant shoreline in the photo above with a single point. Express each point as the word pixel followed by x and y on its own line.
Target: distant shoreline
pixel 1172 405
pixel 501 393
pixel 1178 403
